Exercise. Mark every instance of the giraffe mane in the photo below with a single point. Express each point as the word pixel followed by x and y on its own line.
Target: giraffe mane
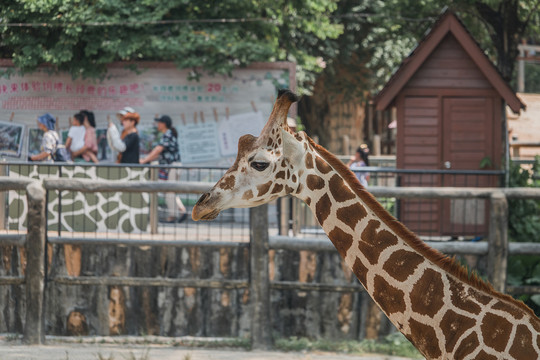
pixel 445 262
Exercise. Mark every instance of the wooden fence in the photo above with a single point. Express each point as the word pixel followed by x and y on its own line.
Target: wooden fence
pixel 496 248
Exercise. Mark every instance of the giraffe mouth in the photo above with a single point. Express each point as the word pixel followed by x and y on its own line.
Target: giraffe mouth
pixel 210 216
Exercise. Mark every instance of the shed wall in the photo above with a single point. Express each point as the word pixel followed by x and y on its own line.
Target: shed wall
pixel 449 66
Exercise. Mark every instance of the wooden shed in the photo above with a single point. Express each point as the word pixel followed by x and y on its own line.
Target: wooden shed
pixel 449 101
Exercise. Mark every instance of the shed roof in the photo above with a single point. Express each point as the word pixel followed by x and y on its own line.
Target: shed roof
pixel 448 22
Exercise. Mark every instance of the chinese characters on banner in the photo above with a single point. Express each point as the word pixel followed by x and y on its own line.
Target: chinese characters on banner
pixel 225 107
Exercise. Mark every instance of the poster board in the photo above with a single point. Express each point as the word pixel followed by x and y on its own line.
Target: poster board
pixel 209 111
pixel 11 137
pixel 231 129
pixel 34 141
pixel 198 142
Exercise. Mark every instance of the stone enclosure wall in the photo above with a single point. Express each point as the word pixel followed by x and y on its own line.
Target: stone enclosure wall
pixel 168 311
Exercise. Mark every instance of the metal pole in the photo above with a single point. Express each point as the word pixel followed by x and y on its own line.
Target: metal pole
pixel 153 204
pixel 498 241
pixel 259 279
pixel 34 332
pixel 3 204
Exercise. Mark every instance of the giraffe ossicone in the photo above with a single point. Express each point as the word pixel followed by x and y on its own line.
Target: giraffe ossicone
pixel 432 300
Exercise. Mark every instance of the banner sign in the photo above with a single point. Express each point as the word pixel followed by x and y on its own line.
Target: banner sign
pixel 210 114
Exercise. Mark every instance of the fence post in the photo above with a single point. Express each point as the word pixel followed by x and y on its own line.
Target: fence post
pixel 154 216
pixel 34 332
pixel 259 279
pixel 3 172
pixel 498 241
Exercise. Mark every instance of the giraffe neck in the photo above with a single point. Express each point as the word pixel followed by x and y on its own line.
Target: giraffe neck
pixel 445 313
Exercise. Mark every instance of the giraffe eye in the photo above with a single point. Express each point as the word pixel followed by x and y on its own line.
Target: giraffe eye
pixel 259 165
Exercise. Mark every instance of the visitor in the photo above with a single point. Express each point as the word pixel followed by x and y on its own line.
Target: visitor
pixel 359 160
pixel 50 140
pixel 75 137
pixel 127 143
pixel 88 152
pixel 168 153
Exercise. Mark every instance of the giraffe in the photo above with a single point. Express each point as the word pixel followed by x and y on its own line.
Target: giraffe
pixel 445 312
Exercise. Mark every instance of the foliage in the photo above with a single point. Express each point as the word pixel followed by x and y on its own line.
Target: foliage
pixel 524 226
pixel 393 344
pixel 532 78
pixel 190 33
pixel 351 46
pixel 524 215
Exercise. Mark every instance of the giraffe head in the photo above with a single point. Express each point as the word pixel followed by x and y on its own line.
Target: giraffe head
pixel 265 168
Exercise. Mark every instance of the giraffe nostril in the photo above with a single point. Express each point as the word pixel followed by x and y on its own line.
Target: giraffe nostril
pixel 203 198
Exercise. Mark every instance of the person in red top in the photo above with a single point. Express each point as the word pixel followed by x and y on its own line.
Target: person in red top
pixel 89 151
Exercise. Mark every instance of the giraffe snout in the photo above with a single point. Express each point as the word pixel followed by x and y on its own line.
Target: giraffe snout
pixel 205 208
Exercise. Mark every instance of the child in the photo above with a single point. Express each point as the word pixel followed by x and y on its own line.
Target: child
pixel 75 139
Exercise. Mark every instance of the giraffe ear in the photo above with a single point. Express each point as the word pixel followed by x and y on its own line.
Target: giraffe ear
pixel 292 148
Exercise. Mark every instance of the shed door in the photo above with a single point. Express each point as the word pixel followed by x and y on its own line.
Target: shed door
pixel 468 139
pixel 419 147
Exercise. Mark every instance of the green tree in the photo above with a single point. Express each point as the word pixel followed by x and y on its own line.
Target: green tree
pixel 524 226
pixel 82 37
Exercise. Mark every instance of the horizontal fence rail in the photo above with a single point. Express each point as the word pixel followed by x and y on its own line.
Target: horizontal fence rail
pixel 496 248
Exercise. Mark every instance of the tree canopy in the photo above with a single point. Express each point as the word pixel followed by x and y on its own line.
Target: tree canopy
pixel 81 37
pixel 352 42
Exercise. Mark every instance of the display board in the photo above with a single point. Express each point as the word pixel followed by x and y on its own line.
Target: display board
pixel 11 136
pixel 209 114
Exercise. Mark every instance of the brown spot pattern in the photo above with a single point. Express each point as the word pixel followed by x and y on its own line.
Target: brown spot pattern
pixel 270 142
pixel 263 189
pixel 425 339
pixel 308 201
pixel 374 243
pixel 467 346
pixel 309 161
pixel 351 215
pixel 314 182
pixel 277 188
pixel 293 178
pixel 389 298
pixel 478 296
pixel 280 175
pixel 299 189
pixel 427 294
pixel 402 264
pixel 289 189
pixel 521 348
pixel 247 195
pixel 227 183
pixel 512 310
pixel 482 355
pixel 496 331
pixel 453 325
pixel 360 271
pixel 460 299
pixel 340 191
pixel 322 166
pixel 341 240
pixel 322 209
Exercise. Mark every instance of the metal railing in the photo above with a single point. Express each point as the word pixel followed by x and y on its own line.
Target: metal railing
pixel 496 248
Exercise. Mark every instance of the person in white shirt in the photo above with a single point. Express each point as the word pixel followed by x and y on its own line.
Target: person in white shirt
pixel 75 139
